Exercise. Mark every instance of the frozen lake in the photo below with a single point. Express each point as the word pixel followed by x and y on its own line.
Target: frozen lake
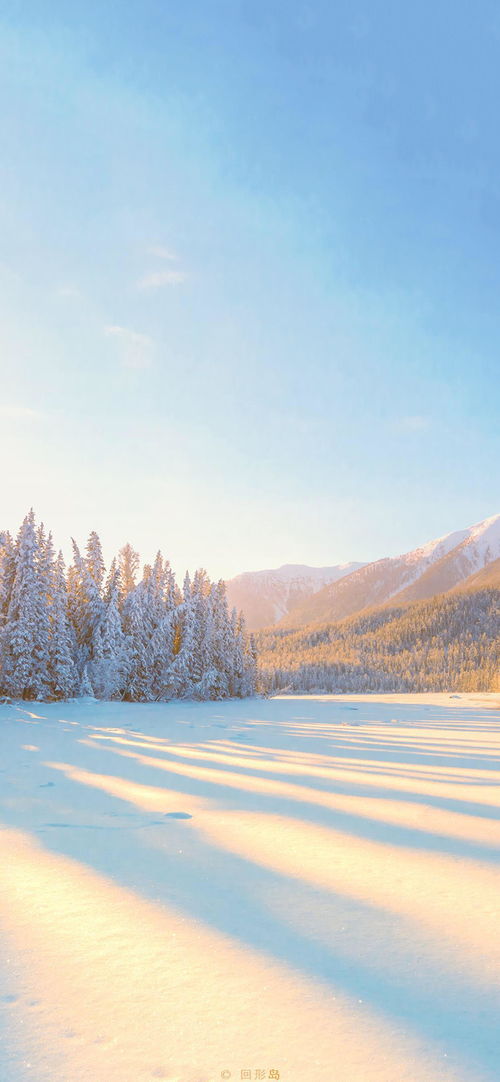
pixel 306 888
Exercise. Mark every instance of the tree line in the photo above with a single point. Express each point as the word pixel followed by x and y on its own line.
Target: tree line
pixel 85 632
pixel 448 643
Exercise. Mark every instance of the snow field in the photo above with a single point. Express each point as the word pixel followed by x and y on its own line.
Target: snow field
pixel 305 885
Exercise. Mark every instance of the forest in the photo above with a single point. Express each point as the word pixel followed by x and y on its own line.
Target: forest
pixel 83 631
pixel 448 643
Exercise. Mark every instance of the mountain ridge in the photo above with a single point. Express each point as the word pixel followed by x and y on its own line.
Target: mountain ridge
pixel 267 596
pixel 422 573
pixel 296 595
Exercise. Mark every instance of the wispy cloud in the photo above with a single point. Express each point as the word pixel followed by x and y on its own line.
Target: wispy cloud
pixel 68 291
pixel 157 279
pixel 416 423
pixel 136 350
pixel 160 252
pixel 18 413
pixel 8 273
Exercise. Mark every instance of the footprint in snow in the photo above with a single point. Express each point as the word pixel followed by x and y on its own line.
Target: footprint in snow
pixel 9 999
pixel 104 1042
pixel 47 785
pixel 178 815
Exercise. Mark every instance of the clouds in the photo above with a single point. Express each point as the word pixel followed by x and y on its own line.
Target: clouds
pixel 417 423
pixel 18 413
pixel 68 292
pixel 157 279
pixel 135 350
pixel 159 252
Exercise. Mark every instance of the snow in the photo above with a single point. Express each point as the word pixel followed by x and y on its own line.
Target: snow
pixel 483 544
pixel 469 550
pixel 313 577
pixel 307 885
pixel 481 541
pixel 279 586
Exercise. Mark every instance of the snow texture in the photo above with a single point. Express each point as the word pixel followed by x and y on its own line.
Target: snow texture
pixel 303 888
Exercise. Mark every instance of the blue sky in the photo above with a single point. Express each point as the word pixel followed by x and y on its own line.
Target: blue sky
pixel 250 275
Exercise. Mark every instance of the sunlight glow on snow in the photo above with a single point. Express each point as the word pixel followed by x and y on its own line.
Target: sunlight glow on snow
pixel 190 889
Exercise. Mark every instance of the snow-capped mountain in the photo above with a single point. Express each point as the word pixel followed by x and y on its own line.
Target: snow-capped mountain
pixel 432 569
pixel 268 596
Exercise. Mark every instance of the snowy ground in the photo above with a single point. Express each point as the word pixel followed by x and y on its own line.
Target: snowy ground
pixel 306 888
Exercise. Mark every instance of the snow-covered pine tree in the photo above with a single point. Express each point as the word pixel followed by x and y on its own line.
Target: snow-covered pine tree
pixel 86 605
pixel 161 647
pixel 136 626
pixel 107 670
pixel 128 563
pixel 202 629
pixel 26 641
pixel 249 678
pixel 241 677
pixel 222 645
pixel 93 584
pixel 209 682
pixel 94 561
pixel 63 635
pixel 183 643
pixel 7 573
pixel 86 690
pixel 63 675
pixel 45 566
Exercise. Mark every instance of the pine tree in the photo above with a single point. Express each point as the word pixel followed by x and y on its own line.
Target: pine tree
pixel 76 634
pixel 86 690
pixel 108 668
pixel 184 643
pixel 222 640
pixel 7 573
pixel 136 626
pixel 25 649
pixel 128 563
pixel 94 561
pixel 86 605
pixel 62 670
pixel 162 644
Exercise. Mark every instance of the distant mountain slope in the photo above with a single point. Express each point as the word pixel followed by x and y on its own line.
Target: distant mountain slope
pixel 489 576
pixel 450 642
pixel 432 569
pixel 470 557
pixel 266 596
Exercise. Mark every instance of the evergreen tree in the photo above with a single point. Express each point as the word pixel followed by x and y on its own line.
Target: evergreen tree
pixel 137 632
pixel 62 670
pixel 184 642
pixel 79 634
pixel 26 641
pixel 7 573
pixel 108 668
pixel 128 563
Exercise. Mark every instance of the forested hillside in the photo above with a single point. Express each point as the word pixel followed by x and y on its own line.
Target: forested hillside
pixel 451 642
pixel 85 632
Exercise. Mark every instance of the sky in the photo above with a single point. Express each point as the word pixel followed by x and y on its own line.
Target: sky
pixel 250 275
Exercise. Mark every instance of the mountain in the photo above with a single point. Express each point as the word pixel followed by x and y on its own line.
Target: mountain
pixel 450 642
pixel 489 576
pixel 432 569
pixel 267 596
